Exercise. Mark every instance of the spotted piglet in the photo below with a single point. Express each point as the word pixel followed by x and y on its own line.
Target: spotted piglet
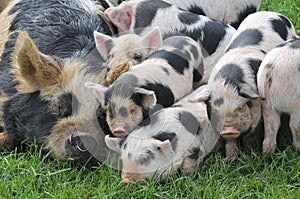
pixel 115 50
pixel 139 16
pixel 231 12
pixel 278 84
pixel 162 79
pixel 177 137
pixel 232 84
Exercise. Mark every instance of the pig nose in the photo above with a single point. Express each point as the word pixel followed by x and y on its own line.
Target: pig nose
pixel 128 178
pixel 229 132
pixel 118 130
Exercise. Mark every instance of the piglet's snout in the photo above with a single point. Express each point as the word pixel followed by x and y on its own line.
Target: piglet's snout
pixel 118 130
pixel 128 178
pixel 229 132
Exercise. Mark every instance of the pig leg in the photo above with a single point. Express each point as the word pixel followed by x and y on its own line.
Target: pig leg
pixel 3 139
pixel 188 165
pixel 272 124
pixel 295 128
pixel 231 149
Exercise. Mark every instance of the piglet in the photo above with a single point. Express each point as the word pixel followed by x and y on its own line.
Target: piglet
pixel 232 84
pixel 278 84
pixel 178 137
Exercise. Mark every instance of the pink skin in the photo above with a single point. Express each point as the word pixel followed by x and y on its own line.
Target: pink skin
pixel 128 178
pixel 230 132
pixel 120 17
pixel 118 130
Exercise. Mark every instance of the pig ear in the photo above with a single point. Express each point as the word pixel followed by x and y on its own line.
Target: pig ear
pixel 104 44
pixel 121 17
pixel 98 89
pixel 165 145
pixel 248 91
pixel 148 97
pixel 164 140
pixel 153 40
pixel 33 69
pixel 114 143
pixel 203 95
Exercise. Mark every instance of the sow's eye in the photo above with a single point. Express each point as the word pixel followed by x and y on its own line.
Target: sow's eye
pixel 62 106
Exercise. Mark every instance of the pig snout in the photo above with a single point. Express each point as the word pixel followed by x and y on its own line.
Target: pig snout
pixel 229 132
pixel 118 130
pixel 128 177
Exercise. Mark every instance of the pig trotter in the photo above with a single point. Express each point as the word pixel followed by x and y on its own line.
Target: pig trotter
pixel 295 128
pixel 231 149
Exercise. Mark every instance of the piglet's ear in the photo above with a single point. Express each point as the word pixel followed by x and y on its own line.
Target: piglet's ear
pixel 114 143
pixel 33 69
pixel 148 97
pixel 248 92
pixel 121 16
pixel 153 40
pixel 165 145
pixel 104 44
pixel 203 94
pixel 98 89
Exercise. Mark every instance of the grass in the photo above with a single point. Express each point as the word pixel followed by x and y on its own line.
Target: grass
pixel 31 175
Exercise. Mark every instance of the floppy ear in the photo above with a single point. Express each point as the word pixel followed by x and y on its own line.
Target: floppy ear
pixel 148 97
pixel 247 91
pixel 203 94
pixel 104 44
pixel 98 89
pixel 114 143
pixel 153 40
pixel 33 69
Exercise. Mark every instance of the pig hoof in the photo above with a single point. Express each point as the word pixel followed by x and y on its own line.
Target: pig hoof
pixel 268 150
pixel 76 149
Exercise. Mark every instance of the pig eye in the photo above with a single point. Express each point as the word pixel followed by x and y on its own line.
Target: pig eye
pixel 133 110
pixel 137 57
pixel 158 148
pixel 242 108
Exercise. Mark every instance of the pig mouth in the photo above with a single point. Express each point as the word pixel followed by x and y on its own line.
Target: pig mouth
pixel 119 133
pixel 230 133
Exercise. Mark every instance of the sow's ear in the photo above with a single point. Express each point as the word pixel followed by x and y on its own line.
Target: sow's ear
pixel 153 40
pixel 114 143
pixel 33 69
pixel 104 44
pixel 148 97
pixel 248 92
pixel 98 89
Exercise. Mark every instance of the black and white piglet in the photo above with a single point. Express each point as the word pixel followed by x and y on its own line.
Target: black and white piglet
pixel 139 16
pixel 162 79
pixel 177 137
pixel 232 84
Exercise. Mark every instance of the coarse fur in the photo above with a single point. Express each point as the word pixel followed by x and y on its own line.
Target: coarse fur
pixel 44 65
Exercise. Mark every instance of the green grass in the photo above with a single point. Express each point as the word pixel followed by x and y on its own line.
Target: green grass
pixel 31 175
